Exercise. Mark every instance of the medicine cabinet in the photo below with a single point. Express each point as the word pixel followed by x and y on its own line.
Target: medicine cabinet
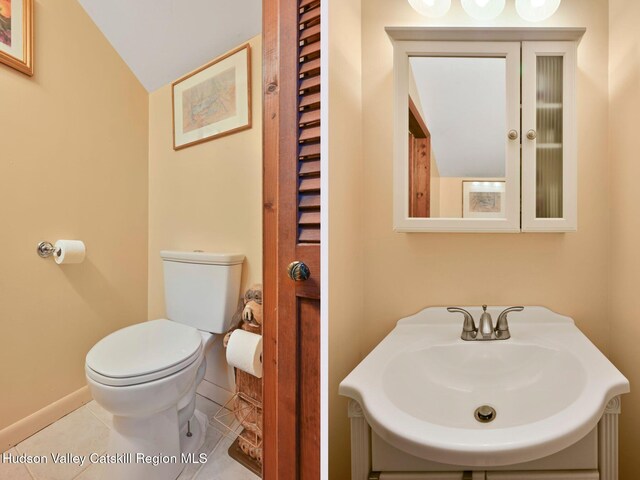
pixel 485 136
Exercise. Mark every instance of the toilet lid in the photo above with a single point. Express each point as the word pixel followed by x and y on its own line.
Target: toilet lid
pixel 145 348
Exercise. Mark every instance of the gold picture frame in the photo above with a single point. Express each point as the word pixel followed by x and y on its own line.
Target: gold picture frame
pixel 16 34
pixel 213 101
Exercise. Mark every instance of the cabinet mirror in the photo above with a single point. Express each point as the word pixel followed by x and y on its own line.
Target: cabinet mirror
pixel 484 131
pixel 457 145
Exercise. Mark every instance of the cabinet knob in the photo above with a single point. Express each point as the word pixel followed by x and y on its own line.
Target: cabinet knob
pixel 513 134
pixel 531 134
pixel 298 271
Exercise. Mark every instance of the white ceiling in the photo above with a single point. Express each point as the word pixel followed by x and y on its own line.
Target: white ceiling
pixel 463 101
pixel 161 40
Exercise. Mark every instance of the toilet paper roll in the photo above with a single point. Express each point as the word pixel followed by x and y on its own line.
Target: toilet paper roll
pixel 69 251
pixel 244 351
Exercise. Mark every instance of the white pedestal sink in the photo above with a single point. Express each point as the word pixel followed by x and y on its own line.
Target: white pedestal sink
pixel 419 388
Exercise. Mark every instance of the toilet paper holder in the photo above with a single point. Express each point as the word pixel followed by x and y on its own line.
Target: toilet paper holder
pixel 47 249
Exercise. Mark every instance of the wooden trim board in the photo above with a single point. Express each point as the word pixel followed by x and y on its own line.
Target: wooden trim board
pixel 280 90
pixel 14 434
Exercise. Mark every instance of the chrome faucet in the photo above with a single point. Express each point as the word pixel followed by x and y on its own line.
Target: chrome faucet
pixel 486 326
pixel 485 330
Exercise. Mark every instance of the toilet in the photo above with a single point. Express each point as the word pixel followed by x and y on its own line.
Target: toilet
pixel 146 374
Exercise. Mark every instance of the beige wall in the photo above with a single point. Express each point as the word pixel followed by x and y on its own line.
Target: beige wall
pixel 208 196
pixel 624 117
pixel 403 273
pixel 73 164
pixel 347 321
pixel 450 197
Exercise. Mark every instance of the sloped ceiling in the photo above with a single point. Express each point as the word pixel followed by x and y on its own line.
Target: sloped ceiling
pixel 161 40
pixel 464 106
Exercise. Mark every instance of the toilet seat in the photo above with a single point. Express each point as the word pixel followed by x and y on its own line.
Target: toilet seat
pixel 143 352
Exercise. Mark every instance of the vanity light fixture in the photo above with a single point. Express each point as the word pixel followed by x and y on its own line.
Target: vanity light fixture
pixel 484 9
pixel 431 8
pixel 536 10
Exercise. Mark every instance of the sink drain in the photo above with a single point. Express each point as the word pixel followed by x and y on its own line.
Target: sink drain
pixel 485 414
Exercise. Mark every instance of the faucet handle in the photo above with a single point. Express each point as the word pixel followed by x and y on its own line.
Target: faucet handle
pixel 502 325
pixel 469 330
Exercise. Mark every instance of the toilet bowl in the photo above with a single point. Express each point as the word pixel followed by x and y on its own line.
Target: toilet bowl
pixel 146 374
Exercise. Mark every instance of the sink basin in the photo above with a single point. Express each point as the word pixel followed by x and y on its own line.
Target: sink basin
pixel 460 378
pixel 420 387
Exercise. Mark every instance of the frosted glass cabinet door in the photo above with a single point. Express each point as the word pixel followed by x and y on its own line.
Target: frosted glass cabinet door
pixel 549 137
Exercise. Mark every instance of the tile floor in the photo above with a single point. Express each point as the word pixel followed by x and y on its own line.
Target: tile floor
pixel 86 430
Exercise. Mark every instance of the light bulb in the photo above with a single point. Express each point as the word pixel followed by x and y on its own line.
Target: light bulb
pixel 536 10
pixel 483 9
pixel 431 8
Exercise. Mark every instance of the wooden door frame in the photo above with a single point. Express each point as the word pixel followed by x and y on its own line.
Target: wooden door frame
pixel 280 30
pixel 419 138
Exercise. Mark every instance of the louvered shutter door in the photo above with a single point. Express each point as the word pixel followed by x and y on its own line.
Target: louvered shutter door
pixel 309 122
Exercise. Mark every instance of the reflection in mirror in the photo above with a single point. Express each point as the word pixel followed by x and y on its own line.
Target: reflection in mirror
pixel 457 141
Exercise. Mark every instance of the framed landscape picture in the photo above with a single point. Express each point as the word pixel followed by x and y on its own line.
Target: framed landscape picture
pixel 16 34
pixel 482 199
pixel 214 100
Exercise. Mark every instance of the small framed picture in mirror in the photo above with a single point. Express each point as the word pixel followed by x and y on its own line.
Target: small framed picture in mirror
pixel 483 199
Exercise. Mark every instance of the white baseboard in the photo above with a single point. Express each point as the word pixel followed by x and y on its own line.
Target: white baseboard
pixel 14 434
pixel 214 392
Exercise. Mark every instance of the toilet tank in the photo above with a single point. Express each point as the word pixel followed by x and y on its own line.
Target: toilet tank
pixel 202 289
